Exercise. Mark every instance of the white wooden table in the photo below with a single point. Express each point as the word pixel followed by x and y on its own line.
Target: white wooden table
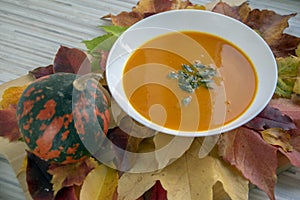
pixel 31 32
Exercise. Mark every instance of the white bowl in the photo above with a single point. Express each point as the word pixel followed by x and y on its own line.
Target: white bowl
pixel 202 21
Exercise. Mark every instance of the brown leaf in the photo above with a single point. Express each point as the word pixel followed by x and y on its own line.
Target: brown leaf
pixel 42 71
pixel 240 12
pixel 71 174
pixel 149 7
pixel 278 137
pixel 269 24
pixel 9 125
pixel 285 45
pixel 71 60
pixel 145 8
pixel 257 160
pixel 124 18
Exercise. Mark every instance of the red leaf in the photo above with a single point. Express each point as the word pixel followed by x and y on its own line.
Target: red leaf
pixel 71 60
pixel 287 107
pixel 9 125
pixel 157 192
pixel 38 179
pixel 271 118
pixel 294 156
pixel 248 152
pixel 68 193
pixel 42 71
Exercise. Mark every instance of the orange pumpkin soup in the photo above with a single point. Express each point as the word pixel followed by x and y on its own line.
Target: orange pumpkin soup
pixel 158 98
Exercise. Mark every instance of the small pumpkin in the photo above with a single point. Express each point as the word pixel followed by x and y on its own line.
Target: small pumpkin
pixel 58 119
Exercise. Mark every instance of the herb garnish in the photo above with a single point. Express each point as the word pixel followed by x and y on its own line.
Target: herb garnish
pixel 193 76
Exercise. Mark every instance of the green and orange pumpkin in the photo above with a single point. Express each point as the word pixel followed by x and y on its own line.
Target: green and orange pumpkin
pixel 59 119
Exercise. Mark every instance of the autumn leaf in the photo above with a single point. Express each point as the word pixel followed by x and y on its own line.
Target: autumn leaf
pixel 42 71
pixel 71 174
pixel 38 179
pixel 145 8
pixel 287 107
pixel 99 47
pixel 256 159
pixel 100 184
pixel 297 51
pixel 68 193
pixel 11 96
pixel 285 46
pixel 287 74
pixel 278 137
pixel 240 12
pixel 268 24
pixel 71 60
pixel 9 125
pixel 269 118
pixel 157 192
pixel 187 178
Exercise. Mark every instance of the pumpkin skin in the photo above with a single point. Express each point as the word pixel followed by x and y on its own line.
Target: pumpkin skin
pixel 46 112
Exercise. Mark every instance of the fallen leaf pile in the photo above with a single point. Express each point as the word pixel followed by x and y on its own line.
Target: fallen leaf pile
pixel 247 154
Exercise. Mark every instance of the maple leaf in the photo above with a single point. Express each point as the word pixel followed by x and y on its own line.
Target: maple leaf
pixel 293 156
pixel 268 24
pixel 9 125
pixel 100 184
pixel 71 174
pixel 187 178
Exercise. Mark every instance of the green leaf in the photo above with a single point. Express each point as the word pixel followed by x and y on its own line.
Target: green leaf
pixel 103 42
pixel 115 30
pixel 287 74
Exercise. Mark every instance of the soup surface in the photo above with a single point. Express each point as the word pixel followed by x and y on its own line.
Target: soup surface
pixel 159 99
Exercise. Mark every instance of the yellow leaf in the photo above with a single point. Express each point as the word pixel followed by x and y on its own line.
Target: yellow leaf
pixel 100 184
pixel 297 51
pixel 187 178
pixel 11 96
pixel 278 137
pixel 197 7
